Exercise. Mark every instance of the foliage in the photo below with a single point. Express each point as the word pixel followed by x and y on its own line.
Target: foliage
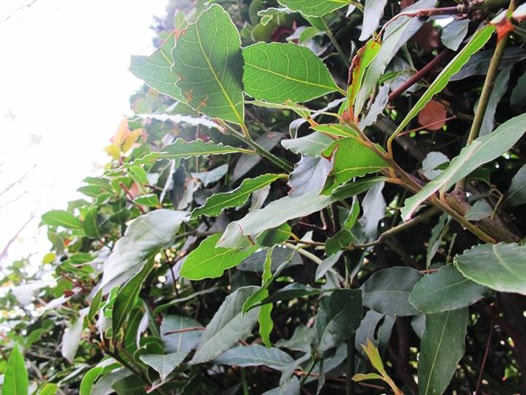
pixel 312 197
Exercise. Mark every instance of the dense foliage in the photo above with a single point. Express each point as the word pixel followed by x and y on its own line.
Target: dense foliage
pixel 313 197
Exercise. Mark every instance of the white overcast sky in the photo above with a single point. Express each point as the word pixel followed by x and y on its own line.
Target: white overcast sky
pixel 64 88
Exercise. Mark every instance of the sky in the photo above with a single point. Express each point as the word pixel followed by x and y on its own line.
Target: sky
pixel 64 89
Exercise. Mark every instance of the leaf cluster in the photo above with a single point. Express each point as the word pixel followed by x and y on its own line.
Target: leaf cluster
pixel 312 197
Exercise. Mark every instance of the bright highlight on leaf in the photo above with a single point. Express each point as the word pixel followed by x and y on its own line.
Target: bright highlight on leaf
pixel 300 75
pixel 208 64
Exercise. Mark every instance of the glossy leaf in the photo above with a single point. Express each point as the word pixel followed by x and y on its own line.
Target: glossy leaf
pixel 299 73
pixel 163 364
pixel 314 7
pixel 445 290
pixel 454 33
pixel 255 355
pixel 499 266
pixel 145 236
pixel 207 60
pixel 351 159
pixel 441 348
pixel 16 381
pixel 387 291
pixel 271 216
pixel 62 218
pixel 228 325
pixel 309 175
pixel 216 203
pixel 482 150
pixel 372 13
pixel 210 261
pixel 312 145
pixel 156 69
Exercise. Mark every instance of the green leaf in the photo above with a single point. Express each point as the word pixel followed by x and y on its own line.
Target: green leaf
pixel 207 60
pixel 441 348
pixel 145 236
pixel 255 355
pixel 62 218
pixel 478 40
pixel 300 75
pixel 127 297
pixel 498 266
pixel 312 145
pixel 372 13
pixel 149 200
pixel 86 385
pixel 397 33
pixel 445 290
pixel 16 381
pixel 482 150
pixel 228 325
pixel 91 226
pixel 218 202
pixel 292 291
pixel 271 216
pixel 314 7
pixel 309 175
pixel 387 291
pixel 180 334
pixel 351 159
pixel 354 188
pixel 334 129
pixel 181 149
pixel 49 389
pixel 163 364
pixel 210 261
pixel 516 194
pixel 156 70
pixel 338 317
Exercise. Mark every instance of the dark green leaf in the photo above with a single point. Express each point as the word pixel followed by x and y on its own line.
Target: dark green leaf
pixel 255 355
pixel 292 291
pixel 445 290
pixel 215 204
pixel 387 291
pixel 163 364
pixel 91 226
pixel 127 297
pixel 441 348
pixel 516 194
pixel 228 325
pixel 338 317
